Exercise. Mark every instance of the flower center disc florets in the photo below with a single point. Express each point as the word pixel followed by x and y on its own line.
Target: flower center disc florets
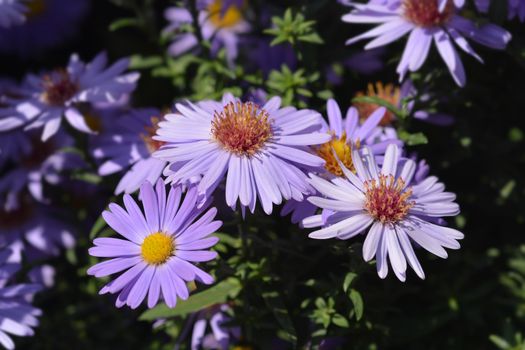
pixel 35 8
pixel 388 93
pixel 343 151
pixel 224 18
pixel 58 88
pixel 151 144
pixel 242 128
pixel 386 199
pixel 425 13
pixel 157 248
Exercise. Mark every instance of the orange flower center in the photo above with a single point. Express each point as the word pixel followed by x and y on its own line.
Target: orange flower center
pixel 388 93
pixel 222 18
pixel 58 88
pixel 387 200
pixel 242 128
pixel 151 144
pixel 35 8
pixel 425 13
pixel 343 151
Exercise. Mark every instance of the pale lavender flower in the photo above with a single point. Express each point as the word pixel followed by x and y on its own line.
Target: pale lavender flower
pixel 12 13
pixel 220 24
pixel 17 316
pixel 393 213
pixel 126 144
pixel 346 135
pixel 262 151
pixel 158 247
pixel 426 24
pixel 45 99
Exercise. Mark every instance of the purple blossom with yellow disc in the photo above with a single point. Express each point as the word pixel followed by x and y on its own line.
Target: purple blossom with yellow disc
pixel 159 246
pixel 427 21
pixel 46 99
pixel 262 151
pixel 384 204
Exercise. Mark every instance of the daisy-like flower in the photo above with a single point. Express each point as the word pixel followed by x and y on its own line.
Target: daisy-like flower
pixel 127 142
pixel 221 21
pixel 516 8
pixel 395 95
pixel 35 163
pixel 39 24
pixel 12 13
pixel 426 24
pixel 33 230
pixel 44 100
pixel 17 316
pixel 262 151
pixel 391 211
pixel 346 135
pixel 158 247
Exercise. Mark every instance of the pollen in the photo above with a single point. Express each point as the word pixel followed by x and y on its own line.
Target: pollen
pixel 387 200
pixel 425 13
pixel 58 88
pixel 388 93
pixel 151 144
pixel 222 18
pixel 343 151
pixel 242 128
pixel 157 248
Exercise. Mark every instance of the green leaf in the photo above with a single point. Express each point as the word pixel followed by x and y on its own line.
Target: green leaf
pixel 124 22
pixel 413 139
pixel 141 62
pixel 274 301
pixel 348 280
pixel 340 320
pixel 219 293
pixel 380 102
pixel 357 300
pixel 97 227
pixel 499 342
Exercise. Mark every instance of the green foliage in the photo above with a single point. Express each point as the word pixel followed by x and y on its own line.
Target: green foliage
pixel 293 29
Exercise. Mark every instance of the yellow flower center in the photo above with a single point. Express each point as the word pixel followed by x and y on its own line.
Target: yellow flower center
pixel 157 248
pixel 35 8
pixel 222 18
pixel 242 128
pixel 343 151
pixel 425 13
pixel 387 200
pixel 388 93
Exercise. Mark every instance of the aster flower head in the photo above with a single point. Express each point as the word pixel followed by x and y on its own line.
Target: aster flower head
pixel 128 142
pixel 427 21
pixel 159 246
pixel 346 134
pixel 389 209
pixel 12 13
pixel 47 98
pixel 221 21
pixel 17 316
pixel 262 151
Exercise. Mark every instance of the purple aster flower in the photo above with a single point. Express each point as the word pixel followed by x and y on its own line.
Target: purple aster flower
pixel 45 24
pixel 210 329
pixel 35 163
pixel 261 151
pixel 516 8
pixel 425 23
pixel 17 316
pixel 45 99
pixel 158 247
pixel 346 135
pixel 394 212
pixel 127 142
pixel 33 229
pixel 222 25
pixel 12 13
